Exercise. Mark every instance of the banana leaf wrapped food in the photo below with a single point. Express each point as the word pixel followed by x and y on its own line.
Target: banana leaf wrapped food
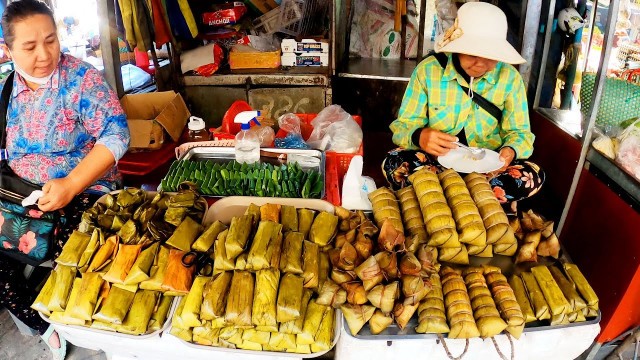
pixel 104 255
pixel 583 287
pixel 305 220
pixel 264 298
pixel 241 262
pixel 311 264
pixel 538 303
pixel 431 313
pixel 183 334
pixel 178 278
pixel 282 342
pixel 97 240
pixel 157 270
pixel 323 229
pixel 390 239
pixel 270 212
pixel 465 213
pixel 253 210
pixel 238 235
pixel 402 313
pixel 370 273
pixel 324 266
pixel 356 294
pixel 203 335
pixel 506 249
pixel 410 265
pixel 454 255
pixel 65 276
pixel 291 259
pixel 412 216
pixel 115 307
pixel 289 303
pixel 331 294
pixel 294 327
pixel 185 234
pixel 41 303
pixel 240 300
pixel 137 320
pixel 139 272
pixel 385 208
pixel 560 319
pixel 550 246
pixel 289 218
pixel 256 336
pixel 159 316
pixel 480 251
pixel 576 303
pixel 65 316
pixel 87 298
pixel 193 302
pixel 484 308
pixel 553 295
pixel 73 249
pixel 342 276
pixel 459 311
pixel 176 320
pixel 230 335
pixel 345 258
pixel 128 233
pixel 388 262
pixel 215 296
pixel 527 251
pixel 324 336
pixel 428 258
pixel 222 262
pixel 205 241
pixel 301 349
pixel 357 316
pixel 521 296
pixel 414 289
pixel 263 245
pixel 379 322
pixel 493 216
pixel 125 258
pixel 363 244
pixel 313 318
pixel 506 301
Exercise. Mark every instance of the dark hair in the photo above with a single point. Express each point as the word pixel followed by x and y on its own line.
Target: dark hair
pixel 18 11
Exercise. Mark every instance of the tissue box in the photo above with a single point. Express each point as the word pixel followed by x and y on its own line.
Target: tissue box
pixel 305 59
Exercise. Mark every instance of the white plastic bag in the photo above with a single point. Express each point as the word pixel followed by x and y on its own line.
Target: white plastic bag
pixel 629 151
pixel 334 129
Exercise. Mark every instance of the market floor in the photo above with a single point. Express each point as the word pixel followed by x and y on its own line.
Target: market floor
pixel 15 346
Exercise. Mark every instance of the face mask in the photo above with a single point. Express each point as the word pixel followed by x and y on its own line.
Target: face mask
pixel 36 80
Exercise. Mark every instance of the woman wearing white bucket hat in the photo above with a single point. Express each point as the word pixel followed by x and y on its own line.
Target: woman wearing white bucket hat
pixel 468 92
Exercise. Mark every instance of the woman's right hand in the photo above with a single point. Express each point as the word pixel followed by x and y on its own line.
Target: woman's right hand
pixel 435 142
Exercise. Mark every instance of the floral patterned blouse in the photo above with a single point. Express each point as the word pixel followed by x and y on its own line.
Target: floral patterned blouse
pixel 51 129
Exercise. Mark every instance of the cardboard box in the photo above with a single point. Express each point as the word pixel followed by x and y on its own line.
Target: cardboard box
pixel 151 115
pixel 304 46
pixel 305 59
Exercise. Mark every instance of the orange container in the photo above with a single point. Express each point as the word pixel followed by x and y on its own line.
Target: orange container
pixel 254 60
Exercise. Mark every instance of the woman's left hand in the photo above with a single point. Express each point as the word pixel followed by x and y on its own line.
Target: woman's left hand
pixel 57 194
pixel 507 155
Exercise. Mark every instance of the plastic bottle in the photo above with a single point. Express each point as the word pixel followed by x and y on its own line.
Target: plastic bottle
pixel 247 142
pixel 197 131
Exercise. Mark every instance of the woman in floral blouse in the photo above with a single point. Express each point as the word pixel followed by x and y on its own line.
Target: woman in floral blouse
pixel 65 131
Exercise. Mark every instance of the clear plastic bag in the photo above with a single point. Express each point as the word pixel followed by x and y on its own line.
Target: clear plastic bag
pixel 334 129
pixel 265 134
pixel 629 151
pixel 294 140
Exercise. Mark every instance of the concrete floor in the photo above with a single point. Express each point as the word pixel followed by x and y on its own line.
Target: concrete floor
pixel 15 346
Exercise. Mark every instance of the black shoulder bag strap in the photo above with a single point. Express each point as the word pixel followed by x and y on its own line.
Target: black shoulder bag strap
pixel 4 104
pixel 487 105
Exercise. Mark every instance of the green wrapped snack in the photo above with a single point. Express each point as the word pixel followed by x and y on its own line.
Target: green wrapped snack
pixel 185 234
pixel 289 218
pixel 122 264
pixel 295 326
pixel 222 262
pixel 191 311
pixel 159 317
pixel 62 289
pixel 324 336
pixel 324 228
pixel 289 298
pixel 183 334
pixel 312 321
pixel 129 232
pixel 44 296
pixel 140 269
pixel 86 301
pixel 157 271
pixel 241 262
pixel 311 256
pixel 263 245
pixel 282 341
pixel 73 249
pixel 264 298
pixel 305 220
pixel 238 235
pixel 208 237
pixel 204 335
pixel 215 296
pixel 254 211
pixel 73 298
pixel 115 306
pixel 239 303
pixel 130 197
pixel 291 258
pixel 175 215
pixel 256 336
pixel 138 317
pixel 176 321
pixel 97 240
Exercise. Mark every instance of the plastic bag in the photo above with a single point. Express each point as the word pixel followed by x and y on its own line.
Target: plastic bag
pixel 629 152
pixel 293 140
pixel 265 133
pixel 334 129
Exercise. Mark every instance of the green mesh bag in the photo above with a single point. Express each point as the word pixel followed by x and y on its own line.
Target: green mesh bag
pixel 620 100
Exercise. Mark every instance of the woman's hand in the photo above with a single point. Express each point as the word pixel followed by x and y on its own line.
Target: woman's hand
pixel 435 142
pixel 507 155
pixel 57 194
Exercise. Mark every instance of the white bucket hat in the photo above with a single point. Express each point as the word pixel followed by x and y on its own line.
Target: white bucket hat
pixel 479 30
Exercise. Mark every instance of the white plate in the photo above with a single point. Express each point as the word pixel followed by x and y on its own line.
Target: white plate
pixel 461 160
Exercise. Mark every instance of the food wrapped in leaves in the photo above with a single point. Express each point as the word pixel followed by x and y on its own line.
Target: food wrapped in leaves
pixel 137 319
pixel 521 296
pixel 370 273
pixel 282 341
pixel 323 338
pixel 459 311
pixel 128 233
pixel 176 321
pixel 390 239
pixel 345 258
pixel 264 298
pixel 412 216
pixel 97 240
pixel 241 262
pixel 549 247
pixel 260 337
pixel 431 315
pixel 62 289
pixel 87 298
pixel 291 259
pixel 270 212
pixel 324 228
pixel 341 276
pixel 104 255
pixel 125 258
pixel 506 302
pixel 263 245
pixel 203 335
pixel 185 234
pixel 140 270
pixel 388 262
pixel 183 334
pixel 379 322
pixel 205 241
pixel 215 296
pixel 552 293
pixel 254 211
pixel 527 251
pixel 193 302
pixel 73 249
pixel 454 255
pixel 305 220
pixel 331 294
pixel 414 289
pixel 385 208
pixel 410 265
pixel 493 216
pixel 384 296
pixel 560 319
pixel 576 303
pixel 465 213
pixel 356 294
pixel 159 316
pixel 295 326
pixel 538 303
pixel 356 316
pixel 222 262
pixel 289 298
pixel 41 303
pixel 311 265
pixel 403 313
pixel 363 244
pixel 240 301
pixel 157 271
pixel 115 306
pixel 238 235
pixel 312 320
pixel 484 308
pixel 289 218
pixel 485 251
pixel 66 317
pixel 178 278
pixel 583 286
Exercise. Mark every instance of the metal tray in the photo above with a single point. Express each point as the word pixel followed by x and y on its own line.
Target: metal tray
pixel 220 154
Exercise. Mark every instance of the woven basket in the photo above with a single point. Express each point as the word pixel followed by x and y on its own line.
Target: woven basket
pixel 620 100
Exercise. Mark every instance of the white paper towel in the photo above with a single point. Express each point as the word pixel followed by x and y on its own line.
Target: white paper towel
pixel 355 187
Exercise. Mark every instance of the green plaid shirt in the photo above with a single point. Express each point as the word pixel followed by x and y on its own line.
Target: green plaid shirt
pixel 433 98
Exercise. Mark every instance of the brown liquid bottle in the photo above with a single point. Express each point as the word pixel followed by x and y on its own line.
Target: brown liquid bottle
pixel 197 130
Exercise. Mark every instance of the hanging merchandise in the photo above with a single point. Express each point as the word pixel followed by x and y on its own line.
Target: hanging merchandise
pixel 160 24
pixel 183 24
pixel 138 29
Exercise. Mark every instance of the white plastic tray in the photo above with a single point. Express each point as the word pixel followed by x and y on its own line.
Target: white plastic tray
pixel 226 208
